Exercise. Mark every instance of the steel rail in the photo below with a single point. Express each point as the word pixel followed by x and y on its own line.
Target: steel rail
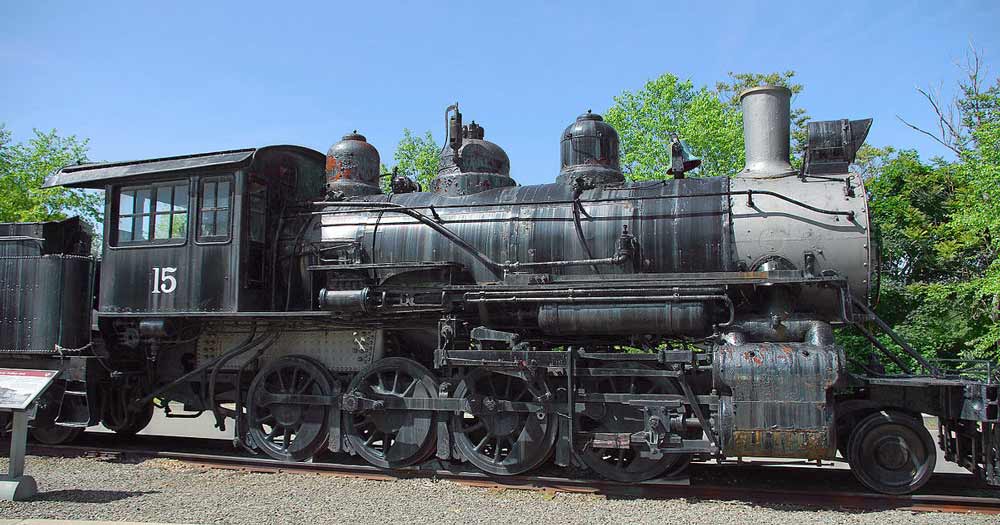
pixel 656 489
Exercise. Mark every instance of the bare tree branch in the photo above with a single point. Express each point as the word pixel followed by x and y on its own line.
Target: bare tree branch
pixel 959 118
pixel 974 72
pixel 931 135
pixel 945 120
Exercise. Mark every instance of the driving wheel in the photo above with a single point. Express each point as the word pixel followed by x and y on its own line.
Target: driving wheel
pixel 288 406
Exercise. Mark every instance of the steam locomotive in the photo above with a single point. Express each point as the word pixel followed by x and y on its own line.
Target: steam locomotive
pixel 625 327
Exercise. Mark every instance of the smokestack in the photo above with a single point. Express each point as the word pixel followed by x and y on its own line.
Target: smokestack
pixel 766 123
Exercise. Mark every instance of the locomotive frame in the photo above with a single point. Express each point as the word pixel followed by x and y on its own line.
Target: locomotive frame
pixel 624 327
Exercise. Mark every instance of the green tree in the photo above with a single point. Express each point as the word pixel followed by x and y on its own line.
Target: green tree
pixel 925 295
pixel 708 120
pixel 417 157
pixel 647 118
pixel 23 168
pixel 940 229
pixel 975 228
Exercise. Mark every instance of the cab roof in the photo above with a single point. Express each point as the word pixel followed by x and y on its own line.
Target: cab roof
pixel 96 175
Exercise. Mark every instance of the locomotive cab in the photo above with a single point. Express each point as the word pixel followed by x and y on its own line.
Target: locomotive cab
pixel 196 234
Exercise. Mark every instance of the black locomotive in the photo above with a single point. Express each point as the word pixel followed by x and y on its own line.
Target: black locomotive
pixel 628 327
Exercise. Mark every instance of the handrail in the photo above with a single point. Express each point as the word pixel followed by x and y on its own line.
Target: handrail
pixel 896 338
pixel 492 265
pixel 376 206
pixel 16 238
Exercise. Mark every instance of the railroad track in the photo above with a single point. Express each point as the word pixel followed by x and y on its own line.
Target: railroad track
pixel 753 482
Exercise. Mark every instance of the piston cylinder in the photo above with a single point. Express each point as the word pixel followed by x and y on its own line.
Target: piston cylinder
pixel 779 403
pixel 345 301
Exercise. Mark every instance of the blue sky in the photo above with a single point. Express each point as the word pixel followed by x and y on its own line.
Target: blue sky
pixel 145 79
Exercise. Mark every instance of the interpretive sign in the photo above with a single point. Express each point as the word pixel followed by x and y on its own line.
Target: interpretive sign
pixel 18 390
pixel 19 387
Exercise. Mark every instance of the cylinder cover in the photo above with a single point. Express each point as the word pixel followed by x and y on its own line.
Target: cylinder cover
pixel 779 404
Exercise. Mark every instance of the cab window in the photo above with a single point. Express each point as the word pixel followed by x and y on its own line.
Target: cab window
pixel 214 210
pixel 152 214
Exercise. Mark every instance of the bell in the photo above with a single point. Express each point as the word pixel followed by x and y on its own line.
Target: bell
pixel 681 160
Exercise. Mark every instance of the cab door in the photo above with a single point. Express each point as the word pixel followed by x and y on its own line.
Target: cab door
pixel 256 264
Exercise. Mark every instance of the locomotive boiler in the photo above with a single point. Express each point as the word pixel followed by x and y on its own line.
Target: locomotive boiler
pixel 625 327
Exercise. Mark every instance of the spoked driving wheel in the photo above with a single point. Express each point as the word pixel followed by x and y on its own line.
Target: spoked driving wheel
pixel 392 437
pixel 892 452
pixel 626 462
pixel 287 412
pixel 499 441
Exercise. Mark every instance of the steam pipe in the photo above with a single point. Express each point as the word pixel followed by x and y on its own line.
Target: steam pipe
pixel 590 292
pixel 617 260
pixel 636 299
pixel 813 332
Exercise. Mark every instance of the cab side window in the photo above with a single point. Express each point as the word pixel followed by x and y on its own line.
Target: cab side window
pixel 153 214
pixel 214 209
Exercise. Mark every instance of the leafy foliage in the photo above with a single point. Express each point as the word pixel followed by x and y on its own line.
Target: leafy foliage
pixel 975 225
pixel 23 168
pixel 417 157
pixel 708 121
pixel 647 118
pixel 940 227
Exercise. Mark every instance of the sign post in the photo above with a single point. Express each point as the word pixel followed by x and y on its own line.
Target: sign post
pixel 19 389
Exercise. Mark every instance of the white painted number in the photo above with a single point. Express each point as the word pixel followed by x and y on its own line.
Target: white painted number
pixel 163 282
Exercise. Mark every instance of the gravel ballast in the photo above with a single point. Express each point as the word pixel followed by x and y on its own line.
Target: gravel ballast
pixel 174 492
